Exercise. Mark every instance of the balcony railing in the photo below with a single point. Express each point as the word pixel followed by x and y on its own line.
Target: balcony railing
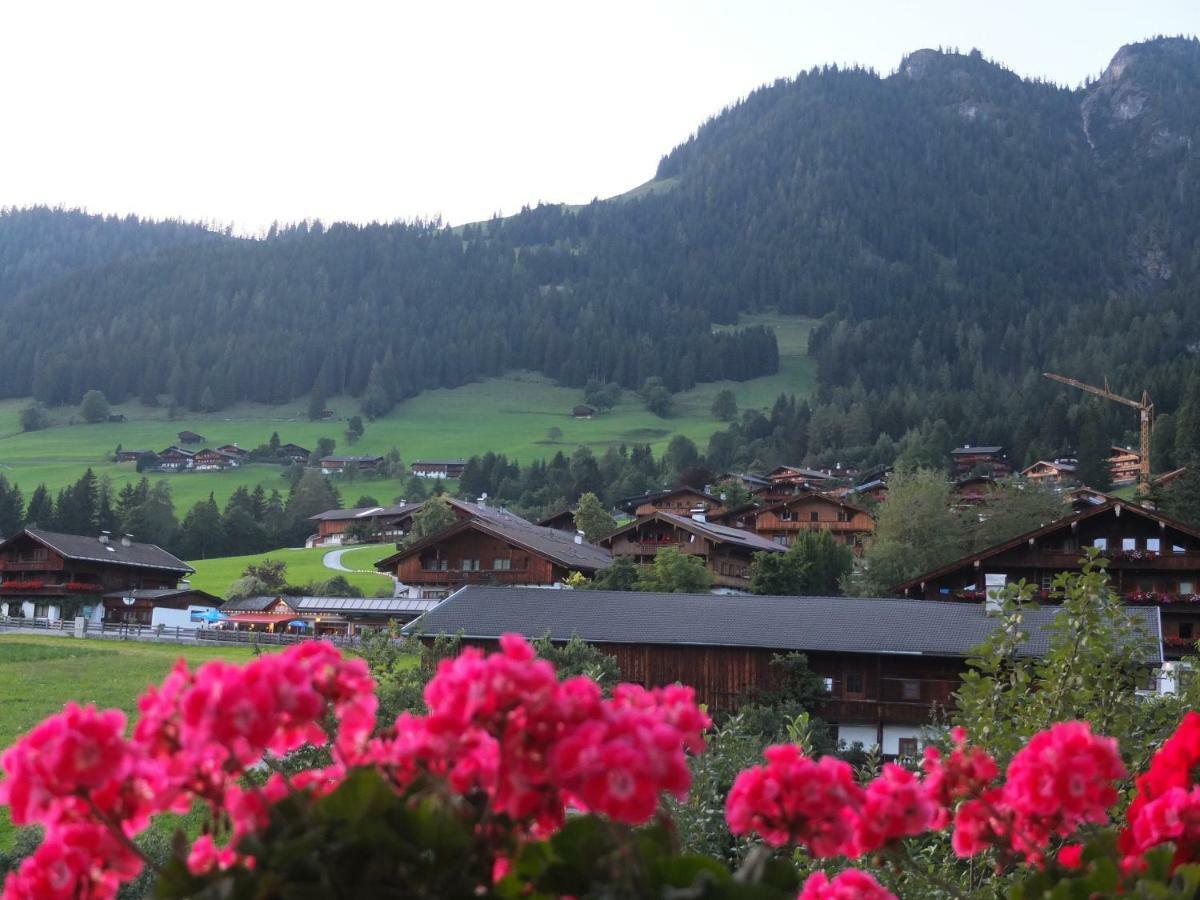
pixel 1062 560
pixel 802 525
pixel 29 565
pixel 470 576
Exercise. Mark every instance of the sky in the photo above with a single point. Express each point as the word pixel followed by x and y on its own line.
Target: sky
pixel 243 113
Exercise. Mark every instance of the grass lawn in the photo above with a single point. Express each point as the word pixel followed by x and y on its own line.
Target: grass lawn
pixel 512 414
pixel 215 575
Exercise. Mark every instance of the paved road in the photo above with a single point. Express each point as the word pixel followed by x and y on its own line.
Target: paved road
pixel 333 560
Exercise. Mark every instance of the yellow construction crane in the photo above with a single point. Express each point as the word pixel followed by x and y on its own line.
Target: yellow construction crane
pixel 1145 414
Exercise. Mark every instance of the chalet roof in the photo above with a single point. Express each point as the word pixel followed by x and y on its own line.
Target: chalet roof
pixel 652 496
pixel 799 470
pixel 189 436
pixel 868 486
pixel 1109 503
pixel 1124 451
pixel 351 459
pixel 365 512
pixel 439 462
pixel 77 547
pixel 745 477
pixel 817 495
pixel 486 511
pixel 316 605
pixel 557 546
pixel 164 594
pixel 967 449
pixel 179 451
pixel 1061 466
pixel 813 624
pixel 294 447
pixel 722 534
pixel 562 513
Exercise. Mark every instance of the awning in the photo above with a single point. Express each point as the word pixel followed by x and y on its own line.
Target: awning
pixel 257 619
pixel 299 623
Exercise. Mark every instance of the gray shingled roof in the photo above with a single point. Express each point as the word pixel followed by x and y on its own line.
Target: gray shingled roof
pixel 161 594
pixel 815 624
pixel 79 547
pixel 365 512
pixel 719 533
pixel 969 449
pixel 334 604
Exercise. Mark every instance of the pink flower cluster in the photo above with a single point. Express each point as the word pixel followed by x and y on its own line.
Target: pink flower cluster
pixel 505 725
pixel 502 725
pixel 849 884
pixel 1061 780
pixel 1166 805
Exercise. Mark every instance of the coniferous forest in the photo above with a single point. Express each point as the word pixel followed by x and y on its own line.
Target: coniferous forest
pixel 955 229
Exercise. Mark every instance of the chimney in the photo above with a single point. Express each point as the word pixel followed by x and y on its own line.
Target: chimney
pixel 104 536
pixel 127 540
pixel 579 537
pixel 995 587
pixel 698 513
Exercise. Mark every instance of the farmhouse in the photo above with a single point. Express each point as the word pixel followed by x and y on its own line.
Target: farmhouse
pixel 583 411
pixel 726 552
pixel 175 459
pixel 335 465
pixel 133 455
pixel 796 477
pixel 886 665
pixel 295 452
pixel 968 460
pixel 190 437
pixel 812 511
pixel 560 521
pixel 484 549
pixel 47 575
pixel 182 606
pixel 339 616
pixel 207 460
pixel 682 500
pixel 1056 472
pixel 233 451
pixel 1124 465
pixel 374 524
pixel 1153 561
pixel 439 468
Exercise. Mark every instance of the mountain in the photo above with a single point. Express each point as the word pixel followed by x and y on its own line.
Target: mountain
pixel 957 230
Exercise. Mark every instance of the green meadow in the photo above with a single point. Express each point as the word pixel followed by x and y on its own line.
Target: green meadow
pixel 513 414
pixel 303 566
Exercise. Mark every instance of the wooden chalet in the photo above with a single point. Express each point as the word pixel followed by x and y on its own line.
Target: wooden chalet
pixel 811 511
pixel 680 500
pixel 783 477
pixel 971 490
pixel 335 465
pixel 1153 561
pixel 967 460
pixel 295 452
pixel 490 549
pixel 208 460
pixel 176 459
pixel 190 437
pixel 438 468
pixel 1124 465
pixel 338 616
pixel 382 524
pixel 47 575
pixel 1055 472
pixel 583 411
pixel 133 455
pixel 725 551
pixel 233 451
pixel 137 606
pixel 887 666
pixel 560 521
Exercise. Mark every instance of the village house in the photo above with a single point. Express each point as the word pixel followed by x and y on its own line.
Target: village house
pixel 233 451
pixel 182 606
pixel 725 551
pixel 887 666
pixel 207 460
pixel 786 481
pixel 320 616
pixel 812 511
pixel 967 460
pixel 374 524
pixel 190 437
pixel 295 453
pixel 491 549
pixel 47 575
pixel 335 465
pixel 583 411
pixel 560 521
pixel 1124 466
pixel 124 456
pixel 680 500
pixel 176 459
pixel 1056 472
pixel 1153 561
pixel 439 468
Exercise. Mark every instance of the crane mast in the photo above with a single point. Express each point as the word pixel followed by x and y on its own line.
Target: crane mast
pixel 1145 418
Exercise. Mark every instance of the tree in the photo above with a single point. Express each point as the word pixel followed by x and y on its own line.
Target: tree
pixel 201 534
pixel 814 565
pixel 554 433
pixel 312 494
pixel 1181 498
pixel 325 447
pixel 1094 450
pixel 1010 509
pixel 592 518
pixel 602 395
pixel 34 417
pixel 732 493
pixel 915 531
pixel 724 406
pixel 354 429
pixel 153 520
pixel 40 511
pixel 434 516
pixel 376 401
pixel 681 454
pixel 12 508
pixel 246 586
pixel 414 490
pixel 94 407
pixel 271 572
pixel 656 396
pixel 316 403
pixel 578 657
pixel 621 575
pixel 673 572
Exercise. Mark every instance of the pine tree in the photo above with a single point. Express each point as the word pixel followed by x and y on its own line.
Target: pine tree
pixel 592 518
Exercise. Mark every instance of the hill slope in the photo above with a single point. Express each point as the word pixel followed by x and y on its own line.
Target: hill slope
pixel 957 228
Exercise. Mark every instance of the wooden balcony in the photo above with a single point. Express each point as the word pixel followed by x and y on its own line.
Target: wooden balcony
pixel 461 577
pixel 17 565
pixel 801 525
pixel 1065 560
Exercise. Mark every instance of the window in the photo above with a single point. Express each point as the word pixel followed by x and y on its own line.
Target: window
pixel 1154 545
pixel 1185 630
pixel 907 748
pixel 910 690
pixel 854 685
pixel 1187 587
pixel 1128 543
pixel 430 564
pixel 814 516
pixel 827 685
pixel 1100 543
pixel 1047 580
pixel 786 515
pixel 501 565
pixel 41 611
pixel 470 565
pixel 1175 548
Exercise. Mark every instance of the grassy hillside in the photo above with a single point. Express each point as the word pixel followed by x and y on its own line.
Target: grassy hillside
pixel 303 566
pixel 511 415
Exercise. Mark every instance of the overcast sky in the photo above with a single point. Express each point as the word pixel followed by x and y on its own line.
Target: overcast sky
pixel 250 111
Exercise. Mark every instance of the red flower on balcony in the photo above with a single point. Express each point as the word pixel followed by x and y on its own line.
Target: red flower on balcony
pixel 1136 555
pixel 1179 643
pixel 81 586
pixel 22 585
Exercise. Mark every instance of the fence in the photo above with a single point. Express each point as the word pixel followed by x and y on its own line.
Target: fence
pixel 176 634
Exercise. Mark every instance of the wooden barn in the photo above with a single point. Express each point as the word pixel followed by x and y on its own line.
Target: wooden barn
pixel 190 437
pixel 886 665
